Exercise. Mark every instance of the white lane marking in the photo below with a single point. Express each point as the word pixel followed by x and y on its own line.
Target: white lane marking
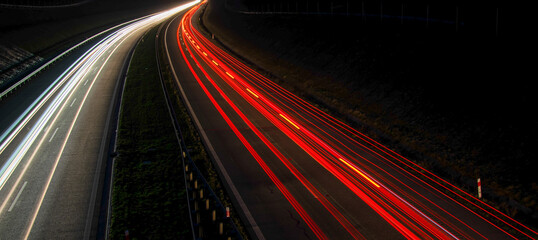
pixel 86 82
pixel 40 201
pixel 73 102
pixel 17 197
pixel 228 180
pixel 53 135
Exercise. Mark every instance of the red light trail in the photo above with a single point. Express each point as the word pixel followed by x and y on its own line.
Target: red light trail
pixel 370 170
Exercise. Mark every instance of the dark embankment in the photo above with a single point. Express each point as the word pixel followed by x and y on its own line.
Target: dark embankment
pixel 454 96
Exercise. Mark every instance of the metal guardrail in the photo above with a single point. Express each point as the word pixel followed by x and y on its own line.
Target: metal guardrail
pixel 208 215
pixel 51 61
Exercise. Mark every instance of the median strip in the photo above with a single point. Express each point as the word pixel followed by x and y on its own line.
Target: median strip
pixel 148 192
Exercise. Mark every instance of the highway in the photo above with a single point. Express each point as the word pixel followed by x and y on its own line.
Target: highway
pixel 55 133
pixel 295 172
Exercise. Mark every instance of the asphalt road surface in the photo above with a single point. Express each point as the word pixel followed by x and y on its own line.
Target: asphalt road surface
pixel 295 172
pixel 56 136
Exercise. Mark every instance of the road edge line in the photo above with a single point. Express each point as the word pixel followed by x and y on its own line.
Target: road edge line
pixel 220 167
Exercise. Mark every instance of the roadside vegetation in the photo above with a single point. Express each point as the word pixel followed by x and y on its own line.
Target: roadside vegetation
pixel 149 198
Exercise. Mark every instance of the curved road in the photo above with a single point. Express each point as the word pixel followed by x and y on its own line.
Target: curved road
pixel 295 172
pixel 55 138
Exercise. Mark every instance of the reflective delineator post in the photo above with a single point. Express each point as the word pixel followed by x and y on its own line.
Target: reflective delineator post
pixel 227 212
pixel 479 188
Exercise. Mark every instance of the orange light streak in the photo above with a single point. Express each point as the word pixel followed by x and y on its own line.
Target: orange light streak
pixel 255 95
pixel 289 121
pixel 359 172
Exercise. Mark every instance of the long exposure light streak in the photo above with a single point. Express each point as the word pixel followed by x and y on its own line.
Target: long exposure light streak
pixel 55 100
pixel 304 215
pixel 121 38
pixel 39 69
pixel 432 227
pixel 372 171
pixel 358 171
pixel 67 80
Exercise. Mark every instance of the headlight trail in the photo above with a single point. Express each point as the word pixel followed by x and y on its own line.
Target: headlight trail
pixel 63 87
pixel 71 73
pixel 122 37
pixel 38 70
pixel 370 170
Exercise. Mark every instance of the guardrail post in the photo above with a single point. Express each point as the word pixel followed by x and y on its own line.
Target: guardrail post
pixel 200 231
pixel 479 188
pixel 221 228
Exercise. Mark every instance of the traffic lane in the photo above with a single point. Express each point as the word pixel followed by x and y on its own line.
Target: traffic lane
pixel 12 106
pixel 252 182
pixel 18 104
pixel 232 153
pixel 439 201
pixel 78 212
pixel 42 152
pixel 48 131
pixel 306 193
pixel 349 204
pixel 322 173
pixel 369 223
pixel 39 165
pixel 65 214
pixel 448 213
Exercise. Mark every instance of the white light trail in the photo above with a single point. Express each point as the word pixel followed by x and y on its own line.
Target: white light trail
pixel 67 81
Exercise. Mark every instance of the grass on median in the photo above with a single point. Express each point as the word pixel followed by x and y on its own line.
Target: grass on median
pixel 149 197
